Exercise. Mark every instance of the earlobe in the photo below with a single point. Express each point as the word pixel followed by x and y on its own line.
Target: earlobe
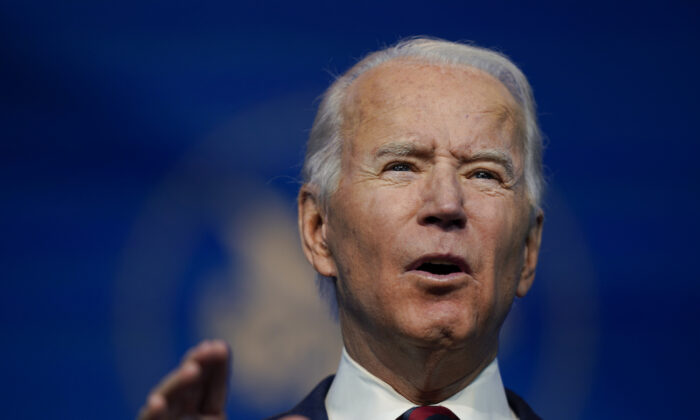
pixel 313 230
pixel 532 250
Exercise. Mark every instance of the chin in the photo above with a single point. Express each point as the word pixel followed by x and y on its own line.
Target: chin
pixel 444 333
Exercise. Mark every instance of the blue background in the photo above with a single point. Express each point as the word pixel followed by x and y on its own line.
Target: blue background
pixel 101 102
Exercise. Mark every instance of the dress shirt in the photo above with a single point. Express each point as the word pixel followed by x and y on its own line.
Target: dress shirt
pixel 357 394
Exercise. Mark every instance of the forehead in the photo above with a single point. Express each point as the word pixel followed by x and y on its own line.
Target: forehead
pixel 408 95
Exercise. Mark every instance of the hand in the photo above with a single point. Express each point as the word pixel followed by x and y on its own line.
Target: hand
pixel 195 390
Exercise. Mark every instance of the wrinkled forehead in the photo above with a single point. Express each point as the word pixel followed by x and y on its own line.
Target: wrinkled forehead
pixel 406 83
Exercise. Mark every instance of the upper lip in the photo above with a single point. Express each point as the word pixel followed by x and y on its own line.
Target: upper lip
pixel 460 262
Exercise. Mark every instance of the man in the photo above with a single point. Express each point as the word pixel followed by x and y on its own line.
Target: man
pixel 421 209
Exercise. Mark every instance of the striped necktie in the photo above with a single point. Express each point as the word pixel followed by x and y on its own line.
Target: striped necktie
pixel 428 412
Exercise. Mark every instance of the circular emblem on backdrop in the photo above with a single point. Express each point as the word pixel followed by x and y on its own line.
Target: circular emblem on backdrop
pixel 215 253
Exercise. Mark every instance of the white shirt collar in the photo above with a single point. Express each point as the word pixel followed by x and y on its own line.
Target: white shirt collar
pixel 357 394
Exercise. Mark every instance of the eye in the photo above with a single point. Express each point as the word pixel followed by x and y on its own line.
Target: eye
pixel 482 174
pixel 399 167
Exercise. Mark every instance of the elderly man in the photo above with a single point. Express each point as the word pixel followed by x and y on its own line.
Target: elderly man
pixel 420 209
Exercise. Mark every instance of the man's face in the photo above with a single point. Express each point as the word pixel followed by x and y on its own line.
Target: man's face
pixel 430 228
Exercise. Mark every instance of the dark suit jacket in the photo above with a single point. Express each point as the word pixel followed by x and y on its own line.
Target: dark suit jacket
pixel 314 405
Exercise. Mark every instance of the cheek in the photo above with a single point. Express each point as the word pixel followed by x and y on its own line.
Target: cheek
pixel 502 242
pixel 357 234
pixel 382 211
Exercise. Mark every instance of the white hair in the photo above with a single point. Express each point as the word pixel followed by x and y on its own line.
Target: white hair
pixel 323 151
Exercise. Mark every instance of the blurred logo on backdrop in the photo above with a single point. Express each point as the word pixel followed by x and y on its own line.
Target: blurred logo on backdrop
pixel 215 253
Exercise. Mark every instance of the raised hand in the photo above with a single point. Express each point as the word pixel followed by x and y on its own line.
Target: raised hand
pixel 194 390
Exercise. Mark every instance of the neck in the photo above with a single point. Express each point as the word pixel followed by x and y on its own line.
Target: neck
pixel 423 373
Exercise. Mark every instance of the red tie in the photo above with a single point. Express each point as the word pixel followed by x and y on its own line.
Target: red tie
pixel 428 412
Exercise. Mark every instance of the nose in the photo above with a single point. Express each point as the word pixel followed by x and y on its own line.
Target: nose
pixel 443 202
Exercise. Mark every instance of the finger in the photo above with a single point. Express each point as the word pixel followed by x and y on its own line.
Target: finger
pixel 180 391
pixel 202 390
pixel 196 387
pixel 214 359
pixel 183 374
pixel 154 409
pixel 185 394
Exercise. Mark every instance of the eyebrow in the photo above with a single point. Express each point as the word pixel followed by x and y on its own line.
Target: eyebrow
pixel 495 156
pixel 402 148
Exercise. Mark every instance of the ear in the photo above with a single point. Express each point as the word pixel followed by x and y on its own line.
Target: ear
pixel 312 229
pixel 532 251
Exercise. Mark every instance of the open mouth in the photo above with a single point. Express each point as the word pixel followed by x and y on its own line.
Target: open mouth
pixel 440 265
pixel 439 268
